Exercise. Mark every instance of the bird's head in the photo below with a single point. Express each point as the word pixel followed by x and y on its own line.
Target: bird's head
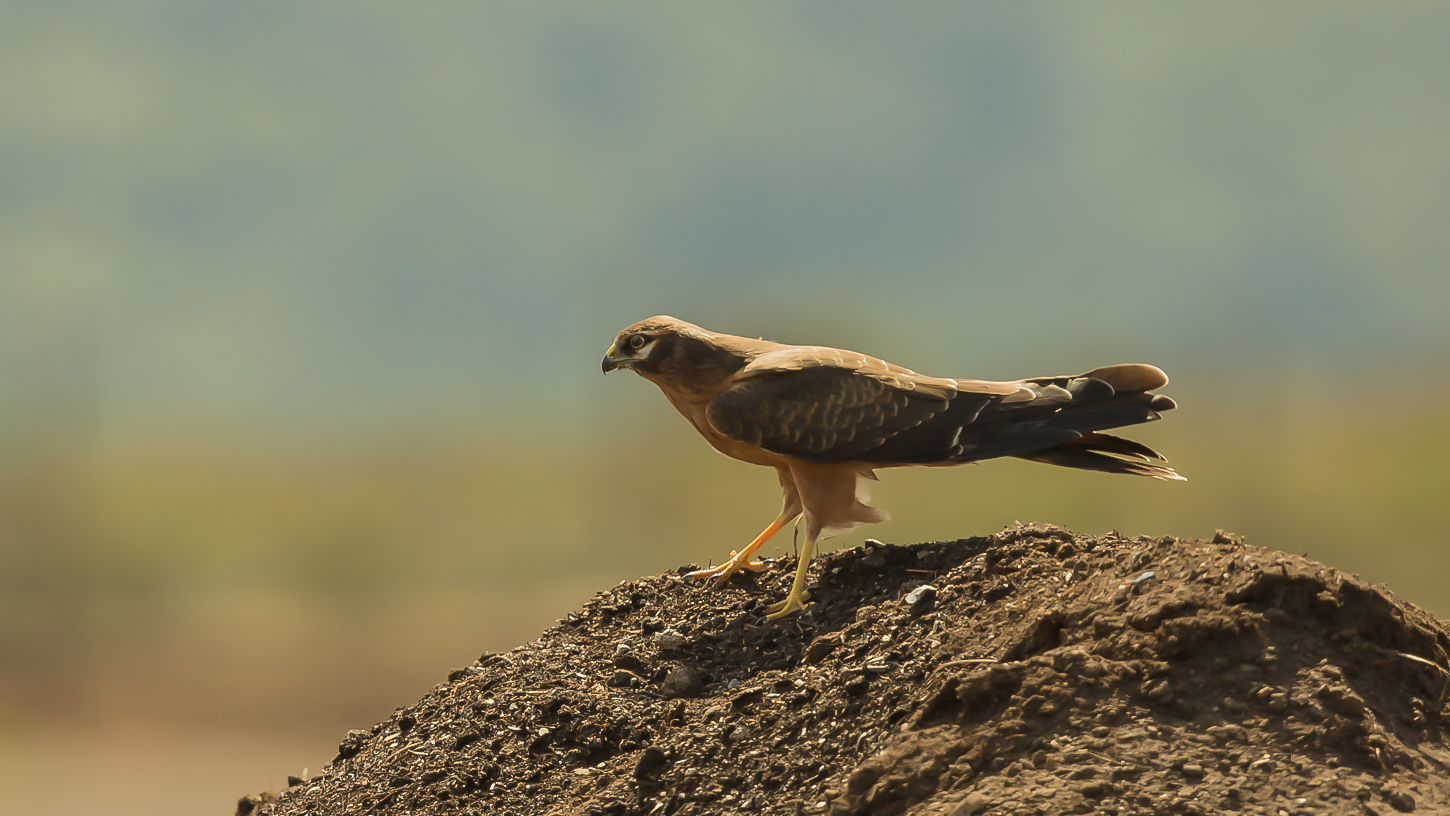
pixel 646 345
pixel 669 350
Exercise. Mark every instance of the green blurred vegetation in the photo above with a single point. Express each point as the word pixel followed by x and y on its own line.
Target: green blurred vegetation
pixel 219 583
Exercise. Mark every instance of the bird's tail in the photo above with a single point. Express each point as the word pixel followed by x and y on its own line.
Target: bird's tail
pixel 1122 398
pixel 1108 453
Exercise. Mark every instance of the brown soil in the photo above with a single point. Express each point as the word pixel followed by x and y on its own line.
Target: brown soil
pixel 1047 672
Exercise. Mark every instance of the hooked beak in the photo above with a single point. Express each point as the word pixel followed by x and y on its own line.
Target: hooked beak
pixel 612 360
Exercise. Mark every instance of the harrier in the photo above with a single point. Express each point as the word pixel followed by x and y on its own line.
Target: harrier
pixel 826 419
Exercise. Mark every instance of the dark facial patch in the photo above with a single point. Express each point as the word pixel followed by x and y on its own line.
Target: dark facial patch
pixel 663 348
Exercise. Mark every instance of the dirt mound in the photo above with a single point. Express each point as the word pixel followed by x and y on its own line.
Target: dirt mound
pixel 1034 671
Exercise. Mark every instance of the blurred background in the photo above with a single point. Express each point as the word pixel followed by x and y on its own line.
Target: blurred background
pixel 302 307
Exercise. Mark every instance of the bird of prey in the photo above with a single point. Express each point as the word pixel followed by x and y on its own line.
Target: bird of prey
pixel 826 419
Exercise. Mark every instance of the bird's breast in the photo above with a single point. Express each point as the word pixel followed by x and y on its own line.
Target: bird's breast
pixel 693 409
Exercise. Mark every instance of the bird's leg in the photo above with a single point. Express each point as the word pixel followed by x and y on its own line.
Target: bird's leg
pixel 798 598
pixel 741 560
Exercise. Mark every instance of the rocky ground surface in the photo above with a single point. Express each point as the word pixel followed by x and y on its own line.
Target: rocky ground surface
pixel 1035 671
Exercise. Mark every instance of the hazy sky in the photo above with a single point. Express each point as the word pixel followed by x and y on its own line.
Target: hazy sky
pixel 285 211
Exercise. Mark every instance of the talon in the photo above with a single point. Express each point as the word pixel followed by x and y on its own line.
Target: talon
pixel 792 604
pixel 722 573
pixel 724 577
pixel 741 560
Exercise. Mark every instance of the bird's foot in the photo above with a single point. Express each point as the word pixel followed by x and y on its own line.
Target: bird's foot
pixel 722 573
pixel 792 604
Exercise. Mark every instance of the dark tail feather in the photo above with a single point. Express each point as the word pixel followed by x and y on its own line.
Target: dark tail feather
pixel 1108 397
pixel 1107 453
pixel 1057 420
pixel 1107 443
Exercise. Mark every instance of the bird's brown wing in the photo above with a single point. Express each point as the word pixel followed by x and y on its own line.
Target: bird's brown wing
pixel 826 405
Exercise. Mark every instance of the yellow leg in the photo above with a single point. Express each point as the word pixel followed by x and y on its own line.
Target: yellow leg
pixel 798 598
pixel 741 560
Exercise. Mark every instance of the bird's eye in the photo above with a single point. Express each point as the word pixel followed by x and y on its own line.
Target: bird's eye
pixel 637 341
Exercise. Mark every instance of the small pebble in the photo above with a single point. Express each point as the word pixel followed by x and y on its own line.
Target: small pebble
pixel 683 681
pixel 820 647
pixel 669 640
pixel 650 761
pixel 1399 800
pixel 921 599
pixel 974 803
pixel 352 743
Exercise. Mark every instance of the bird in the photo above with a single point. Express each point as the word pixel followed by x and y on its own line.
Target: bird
pixel 827 419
